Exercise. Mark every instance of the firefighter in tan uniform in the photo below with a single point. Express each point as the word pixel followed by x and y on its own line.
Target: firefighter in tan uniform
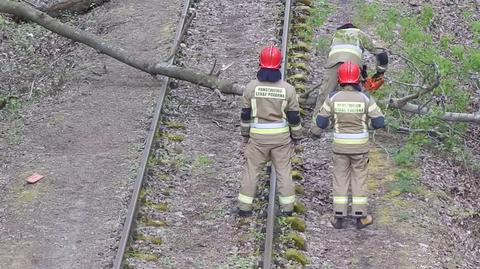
pixel 350 111
pixel 348 45
pixel 270 120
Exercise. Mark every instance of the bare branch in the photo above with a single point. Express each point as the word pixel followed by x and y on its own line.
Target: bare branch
pixel 213 67
pixel 399 102
pixel 405 84
pixel 194 76
pixel 223 69
pixel 409 63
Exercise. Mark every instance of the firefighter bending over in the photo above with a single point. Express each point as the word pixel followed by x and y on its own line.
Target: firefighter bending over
pixel 348 45
pixel 350 112
pixel 270 120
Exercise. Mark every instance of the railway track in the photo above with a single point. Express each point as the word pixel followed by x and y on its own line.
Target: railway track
pixel 128 232
pixel 129 224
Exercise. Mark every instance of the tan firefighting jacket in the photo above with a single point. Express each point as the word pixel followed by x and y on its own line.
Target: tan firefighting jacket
pixel 348 46
pixel 270 102
pixel 350 112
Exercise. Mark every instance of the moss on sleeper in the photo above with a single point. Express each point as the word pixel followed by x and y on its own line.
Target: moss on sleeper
pixel 150 239
pixel 174 125
pixel 142 255
pixel 295 255
pixel 296 223
pixel 297 175
pixel 296 160
pixel 299 208
pixel 175 137
pixel 297 240
pixel 158 206
pixel 299 189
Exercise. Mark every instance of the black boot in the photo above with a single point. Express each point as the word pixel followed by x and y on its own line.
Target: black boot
pixel 244 213
pixel 364 222
pixel 337 223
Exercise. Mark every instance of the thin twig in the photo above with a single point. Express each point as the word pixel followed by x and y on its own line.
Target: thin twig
pixel 213 67
pixel 218 124
pixel 407 84
pixel 384 149
pixel 223 69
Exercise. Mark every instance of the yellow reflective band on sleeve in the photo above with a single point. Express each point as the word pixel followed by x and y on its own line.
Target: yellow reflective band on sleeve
pixel 286 200
pixel 350 141
pixel 340 200
pixel 245 199
pixel 254 107
pixel 359 200
pixel 347 50
pixel 296 128
pixel 372 108
pixel 270 131
pixel 349 107
pixel 364 122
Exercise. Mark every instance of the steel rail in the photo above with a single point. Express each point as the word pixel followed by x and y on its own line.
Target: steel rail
pixel 129 224
pixel 268 249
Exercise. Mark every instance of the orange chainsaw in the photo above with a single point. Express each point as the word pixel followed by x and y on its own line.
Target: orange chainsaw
pixel 373 83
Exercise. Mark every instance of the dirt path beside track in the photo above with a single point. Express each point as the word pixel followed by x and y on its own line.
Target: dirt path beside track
pixel 86 141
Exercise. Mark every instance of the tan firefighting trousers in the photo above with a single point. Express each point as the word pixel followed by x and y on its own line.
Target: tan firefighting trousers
pixel 329 83
pixel 257 156
pixel 350 170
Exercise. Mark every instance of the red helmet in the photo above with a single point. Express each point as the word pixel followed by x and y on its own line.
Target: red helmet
pixel 348 73
pixel 270 57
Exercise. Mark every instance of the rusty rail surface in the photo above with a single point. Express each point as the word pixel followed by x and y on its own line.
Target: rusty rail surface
pixel 268 249
pixel 129 224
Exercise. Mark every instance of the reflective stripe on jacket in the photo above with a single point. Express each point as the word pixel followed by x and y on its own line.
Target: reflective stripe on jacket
pixel 269 103
pixel 350 110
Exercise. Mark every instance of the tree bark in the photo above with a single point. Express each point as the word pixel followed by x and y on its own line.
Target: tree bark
pixel 72 6
pixel 194 76
pixel 447 116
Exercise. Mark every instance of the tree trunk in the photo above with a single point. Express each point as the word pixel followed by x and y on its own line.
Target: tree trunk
pixel 447 116
pixel 194 76
pixel 72 6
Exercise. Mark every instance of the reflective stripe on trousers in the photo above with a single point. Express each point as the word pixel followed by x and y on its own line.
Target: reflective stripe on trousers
pixel 359 200
pixel 357 51
pixel 245 199
pixel 350 139
pixel 340 200
pixel 286 200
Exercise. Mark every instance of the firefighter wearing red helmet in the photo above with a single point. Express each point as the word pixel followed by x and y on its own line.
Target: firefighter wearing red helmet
pixel 270 121
pixel 351 113
pixel 348 44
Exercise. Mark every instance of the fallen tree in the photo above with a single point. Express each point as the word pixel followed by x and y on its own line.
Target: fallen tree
pixel 201 78
pixel 69 7
pixel 101 46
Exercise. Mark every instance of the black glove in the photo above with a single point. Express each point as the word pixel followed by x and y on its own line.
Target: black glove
pixel 378 74
pixel 364 71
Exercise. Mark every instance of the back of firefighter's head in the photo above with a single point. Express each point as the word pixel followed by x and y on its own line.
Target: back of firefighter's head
pixel 348 73
pixel 270 57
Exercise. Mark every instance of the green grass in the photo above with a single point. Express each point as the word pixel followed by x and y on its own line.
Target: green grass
pixel 455 63
pixel 406 181
pixel 203 161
